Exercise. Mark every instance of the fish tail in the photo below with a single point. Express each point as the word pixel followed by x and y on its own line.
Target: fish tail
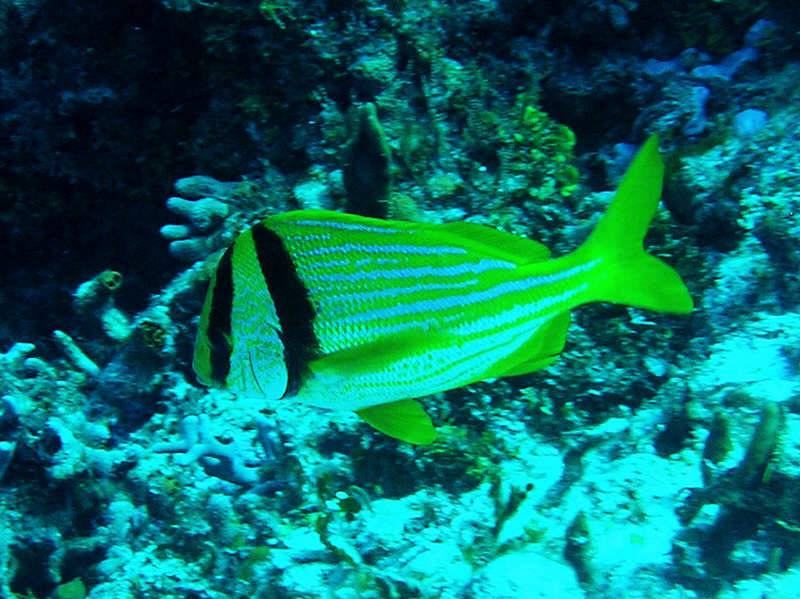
pixel 628 274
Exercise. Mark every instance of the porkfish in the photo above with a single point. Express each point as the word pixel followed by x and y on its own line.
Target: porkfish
pixel 355 313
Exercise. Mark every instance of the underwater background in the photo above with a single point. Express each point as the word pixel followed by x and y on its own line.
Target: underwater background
pixel 659 457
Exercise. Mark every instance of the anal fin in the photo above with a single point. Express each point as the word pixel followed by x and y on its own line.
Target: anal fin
pixel 404 420
pixel 543 348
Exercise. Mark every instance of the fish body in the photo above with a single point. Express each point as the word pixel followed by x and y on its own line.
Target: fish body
pixel 348 312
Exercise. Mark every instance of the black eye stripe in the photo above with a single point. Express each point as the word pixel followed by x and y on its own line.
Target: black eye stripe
pixel 219 319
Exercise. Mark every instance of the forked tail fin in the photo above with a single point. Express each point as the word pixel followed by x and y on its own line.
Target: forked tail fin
pixel 628 275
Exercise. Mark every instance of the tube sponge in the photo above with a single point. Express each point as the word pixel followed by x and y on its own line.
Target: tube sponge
pixel 75 354
pixel 367 165
pixel 753 467
pixel 196 240
pixel 96 289
pixel 204 214
pixel 218 459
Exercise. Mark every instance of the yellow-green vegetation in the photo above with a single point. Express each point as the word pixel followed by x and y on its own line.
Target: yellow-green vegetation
pixel 456 459
pixel 416 147
pixel 343 552
pixel 717 446
pixel 97 289
pixel 74 589
pixel 754 467
pixel 748 484
pixel 718 443
pixel 403 207
pixel 154 334
pixel 110 279
pixel 257 555
pixel 539 150
pixel 272 10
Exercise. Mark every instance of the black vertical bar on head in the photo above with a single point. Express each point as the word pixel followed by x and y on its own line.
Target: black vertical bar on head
pixel 292 304
pixel 219 318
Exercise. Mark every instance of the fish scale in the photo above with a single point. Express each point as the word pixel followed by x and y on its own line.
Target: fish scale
pixel 260 346
pixel 371 295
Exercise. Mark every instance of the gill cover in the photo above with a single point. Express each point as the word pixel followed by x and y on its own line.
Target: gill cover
pixel 239 343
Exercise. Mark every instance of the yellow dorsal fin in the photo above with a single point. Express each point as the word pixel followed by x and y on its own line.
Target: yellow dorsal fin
pixel 404 420
pixel 499 243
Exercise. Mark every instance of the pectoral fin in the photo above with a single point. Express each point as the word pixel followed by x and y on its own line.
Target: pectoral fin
pixel 404 420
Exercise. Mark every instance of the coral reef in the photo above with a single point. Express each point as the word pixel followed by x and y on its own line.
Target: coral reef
pixel 217 459
pixel 657 457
